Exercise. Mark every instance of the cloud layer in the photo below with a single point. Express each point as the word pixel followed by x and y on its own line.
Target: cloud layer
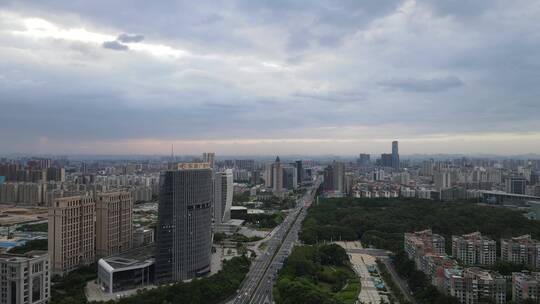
pixel 276 76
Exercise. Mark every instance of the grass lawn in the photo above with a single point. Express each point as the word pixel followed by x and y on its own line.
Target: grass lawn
pixel 349 293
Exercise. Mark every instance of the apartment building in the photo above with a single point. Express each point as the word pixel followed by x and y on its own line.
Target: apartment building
pixel 423 242
pixel 521 249
pixel 25 278
pixel 114 213
pixel 71 233
pixel 471 284
pixel 525 286
pixel 434 267
pixel 474 249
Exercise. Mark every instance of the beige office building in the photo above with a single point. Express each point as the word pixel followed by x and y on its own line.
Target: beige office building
pixel 71 233
pixel 25 278
pixel 113 223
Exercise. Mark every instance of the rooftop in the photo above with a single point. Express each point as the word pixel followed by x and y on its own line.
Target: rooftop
pixel 28 255
pixel 134 257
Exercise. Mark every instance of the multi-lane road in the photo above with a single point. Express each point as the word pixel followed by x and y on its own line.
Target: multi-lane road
pixel 257 286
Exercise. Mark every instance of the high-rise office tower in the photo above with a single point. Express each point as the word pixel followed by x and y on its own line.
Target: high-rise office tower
pixel 299 172
pixel 268 175
pixel 209 157
pixel 395 155
pixel 387 160
pixel 223 195
pixel 84 168
pixel 328 183
pixel 334 177
pixel 363 160
pixel 277 177
pixel 184 242
pixel 290 180
pixel 71 233
pixel 113 223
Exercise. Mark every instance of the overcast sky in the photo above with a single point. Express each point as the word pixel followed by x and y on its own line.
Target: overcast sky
pixel 276 76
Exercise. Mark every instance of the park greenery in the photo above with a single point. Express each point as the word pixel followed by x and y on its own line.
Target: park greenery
pixel 241 197
pixel 382 223
pixel 219 237
pixel 318 274
pixel 276 203
pixel 244 239
pixel 264 220
pixel 70 288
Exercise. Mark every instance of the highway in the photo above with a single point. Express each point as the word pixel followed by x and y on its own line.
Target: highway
pixel 257 286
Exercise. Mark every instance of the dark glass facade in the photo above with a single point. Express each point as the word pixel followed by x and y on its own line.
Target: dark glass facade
pixel 183 244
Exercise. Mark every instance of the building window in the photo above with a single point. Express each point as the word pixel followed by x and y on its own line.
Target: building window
pixel 36 288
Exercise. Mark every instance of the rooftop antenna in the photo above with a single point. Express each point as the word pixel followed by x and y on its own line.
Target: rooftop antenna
pixel 172 153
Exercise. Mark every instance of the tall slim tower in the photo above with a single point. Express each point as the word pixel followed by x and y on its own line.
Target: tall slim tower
pixel 223 195
pixel 277 177
pixel 184 240
pixel 395 155
pixel 299 172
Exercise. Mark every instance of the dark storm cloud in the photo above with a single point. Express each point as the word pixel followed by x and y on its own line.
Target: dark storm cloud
pixel 423 85
pixel 270 68
pixel 115 45
pixel 127 38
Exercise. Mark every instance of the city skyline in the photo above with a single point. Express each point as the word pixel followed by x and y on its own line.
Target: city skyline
pixel 276 77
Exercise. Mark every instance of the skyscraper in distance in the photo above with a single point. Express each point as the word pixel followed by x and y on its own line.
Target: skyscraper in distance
pixel 184 242
pixel 334 177
pixel 209 157
pixel 395 155
pixel 290 179
pixel 299 172
pixel 277 177
pixel 364 160
pixel 387 160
